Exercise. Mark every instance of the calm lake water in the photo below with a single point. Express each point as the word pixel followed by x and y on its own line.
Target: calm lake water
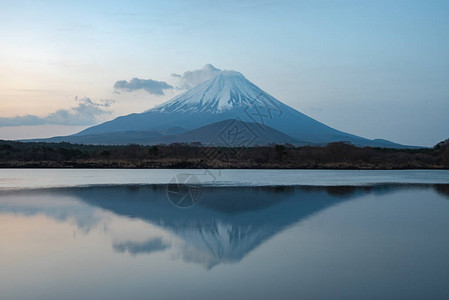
pixel 126 234
pixel 40 178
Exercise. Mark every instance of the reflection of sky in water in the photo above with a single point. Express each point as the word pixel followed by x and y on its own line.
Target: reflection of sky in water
pixel 39 178
pixel 116 241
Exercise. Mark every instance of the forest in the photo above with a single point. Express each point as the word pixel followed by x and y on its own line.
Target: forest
pixel 337 155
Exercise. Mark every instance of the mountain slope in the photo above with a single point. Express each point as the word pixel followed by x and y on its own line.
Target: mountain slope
pixel 222 133
pixel 229 95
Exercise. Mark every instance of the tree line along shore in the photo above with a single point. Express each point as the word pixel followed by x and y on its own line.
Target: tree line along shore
pixel 337 155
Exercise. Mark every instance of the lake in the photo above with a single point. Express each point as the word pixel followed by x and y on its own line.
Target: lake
pixel 231 234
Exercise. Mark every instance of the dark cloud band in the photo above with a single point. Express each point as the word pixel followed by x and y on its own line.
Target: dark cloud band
pixel 148 85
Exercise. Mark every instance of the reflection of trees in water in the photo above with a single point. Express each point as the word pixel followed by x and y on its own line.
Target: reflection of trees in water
pixel 442 189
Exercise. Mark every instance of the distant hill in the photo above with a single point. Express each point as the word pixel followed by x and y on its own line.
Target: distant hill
pixel 117 137
pixel 227 133
pixel 234 133
pixel 442 144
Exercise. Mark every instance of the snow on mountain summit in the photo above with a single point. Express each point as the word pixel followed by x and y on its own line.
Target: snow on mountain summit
pixel 226 91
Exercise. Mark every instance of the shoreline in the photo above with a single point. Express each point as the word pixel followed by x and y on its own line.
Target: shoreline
pixel 50 165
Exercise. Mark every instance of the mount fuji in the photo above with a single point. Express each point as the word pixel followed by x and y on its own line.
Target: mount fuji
pixel 226 102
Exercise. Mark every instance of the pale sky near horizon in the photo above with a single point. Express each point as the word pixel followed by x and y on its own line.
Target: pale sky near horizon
pixel 377 69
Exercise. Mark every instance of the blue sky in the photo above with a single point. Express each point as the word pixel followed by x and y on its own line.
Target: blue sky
pixel 379 69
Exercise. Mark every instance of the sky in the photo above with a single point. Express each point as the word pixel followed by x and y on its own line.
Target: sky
pixel 377 69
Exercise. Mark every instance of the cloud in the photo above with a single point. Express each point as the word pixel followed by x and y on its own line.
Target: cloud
pixel 191 78
pixel 85 113
pixel 185 81
pixel 149 85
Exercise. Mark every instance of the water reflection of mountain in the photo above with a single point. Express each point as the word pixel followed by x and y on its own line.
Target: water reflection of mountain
pixel 226 225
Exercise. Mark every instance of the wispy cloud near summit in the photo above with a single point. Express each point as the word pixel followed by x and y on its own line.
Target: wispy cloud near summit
pixel 191 78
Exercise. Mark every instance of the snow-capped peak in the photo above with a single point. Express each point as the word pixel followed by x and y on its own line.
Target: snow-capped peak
pixel 227 90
